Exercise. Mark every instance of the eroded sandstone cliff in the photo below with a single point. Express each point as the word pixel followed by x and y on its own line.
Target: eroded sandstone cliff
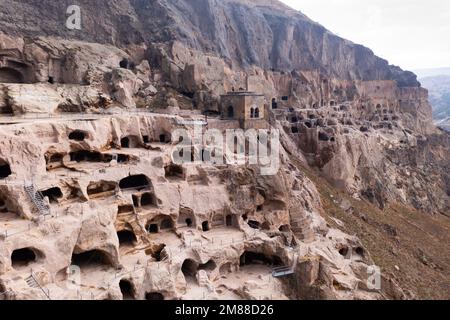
pixel 93 206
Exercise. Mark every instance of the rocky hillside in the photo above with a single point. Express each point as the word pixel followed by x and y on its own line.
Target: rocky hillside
pixel 263 33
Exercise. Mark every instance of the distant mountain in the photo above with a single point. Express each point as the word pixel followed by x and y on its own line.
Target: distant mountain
pixel 439 89
pixel 426 73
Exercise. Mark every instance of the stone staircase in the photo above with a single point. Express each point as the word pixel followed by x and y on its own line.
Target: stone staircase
pixel 37 198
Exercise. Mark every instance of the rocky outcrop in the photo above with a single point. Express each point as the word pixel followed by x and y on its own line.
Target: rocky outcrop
pixel 263 33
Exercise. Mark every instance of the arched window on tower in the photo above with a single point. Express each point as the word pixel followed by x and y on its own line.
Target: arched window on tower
pixel 256 113
pixel 230 112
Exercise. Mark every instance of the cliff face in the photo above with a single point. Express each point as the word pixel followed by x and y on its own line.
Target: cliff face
pixel 270 35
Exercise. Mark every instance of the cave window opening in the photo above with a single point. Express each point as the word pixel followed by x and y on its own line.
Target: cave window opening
pixel 359 251
pixel 23 257
pixel 153 228
pixel 323 137
pixel 146 139
pixel 230 112
pixel 284 228
pixel 53 194
pixel 77 135
pixel 91 258
pixel 148 200
pixel 51 80
pixel 5 169
pixel 205 226
pixel 125 142
pixel 154 296
pixel 254 224
pixel 229 220
pixel 130 142
pixel 126 238
pixel 124 64
pixel 251 258
pixel 189 268
pixel 285 98
pixel 127 208
pixel 9 75
pixel 308 124
pixel 344 251
pixel 102 188
pixel 126 288
pixel 274 104
pixel 137 182
pixel 294 130
pixel 86 156
pixel 189 222
pixel 174 171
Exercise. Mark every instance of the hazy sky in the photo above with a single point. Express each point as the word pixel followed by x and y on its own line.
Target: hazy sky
pixel 413 34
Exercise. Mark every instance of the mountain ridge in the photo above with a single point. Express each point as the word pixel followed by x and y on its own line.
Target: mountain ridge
pixel 271 35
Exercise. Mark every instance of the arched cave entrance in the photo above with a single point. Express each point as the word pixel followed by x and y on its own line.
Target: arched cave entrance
pixel 77 135
pixel 92 258
pixel 53 194
pixel 5 169
pixel 127 289
pixel 9 75
pixel 249 258
pixel 126 238
pixel 22 258
pixel 137 182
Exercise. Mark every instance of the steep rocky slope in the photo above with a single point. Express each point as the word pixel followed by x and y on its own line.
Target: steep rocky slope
pixel 93 206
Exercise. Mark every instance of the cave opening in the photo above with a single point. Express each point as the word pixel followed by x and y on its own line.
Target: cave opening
pixel 77 135
pixel 323 136
pixel 174 172
pixel 254 224
pixel 23 257
pixel 88 156
pixel 126 208
pixel 205 226
pixel 130 142
pixel 294 130
pixel 92 258
pixel 229 220
pixel 274 104
pixel 189 268
pixel 10 75
pixel 101 189
pixel 154 296
pixel 5 169
pixel 53 194
pixel 127 290
pixel 126 238
pixel 137 182
pixel 249 258
pixel 148 200
pixel 153 228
